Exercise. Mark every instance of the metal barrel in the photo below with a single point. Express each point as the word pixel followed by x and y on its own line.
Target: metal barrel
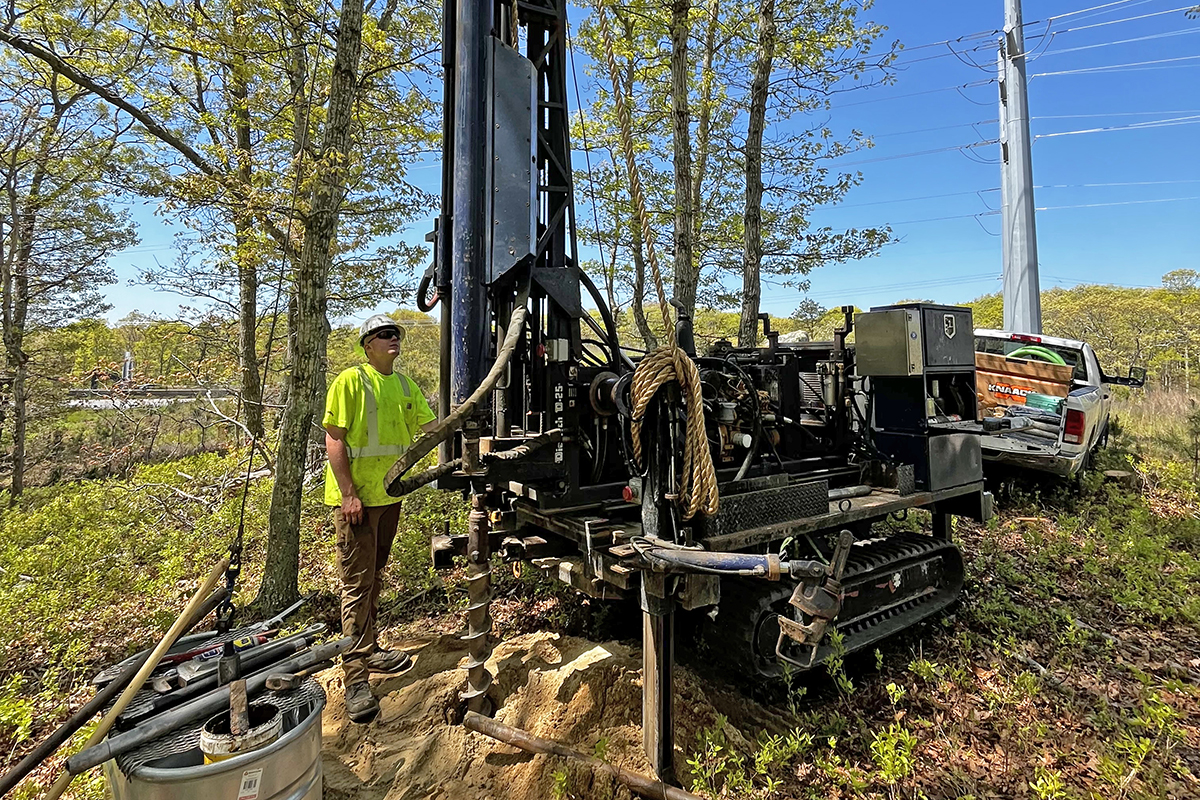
pixel 287 769
pixel 199 708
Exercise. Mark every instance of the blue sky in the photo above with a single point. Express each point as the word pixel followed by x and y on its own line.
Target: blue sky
pixel 958 259
pixel 951 260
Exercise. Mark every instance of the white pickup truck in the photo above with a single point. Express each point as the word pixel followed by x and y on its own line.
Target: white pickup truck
pixel 1062 441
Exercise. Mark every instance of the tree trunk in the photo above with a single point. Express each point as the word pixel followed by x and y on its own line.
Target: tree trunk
pixel 289 357
pixel 251 386
pixel 19 421
pixel 246 255
pixel 638 249
pixel 310 327
pixel 704 124
pixel 686 275
pixel 15 295
pixel 752 216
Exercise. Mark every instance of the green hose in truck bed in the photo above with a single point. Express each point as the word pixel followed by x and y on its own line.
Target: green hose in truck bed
pixel 1039 352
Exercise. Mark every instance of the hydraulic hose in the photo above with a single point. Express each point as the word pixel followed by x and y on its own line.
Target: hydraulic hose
pixel 606 316
pixel 455 419
pixel 767 566
pixel 1035 351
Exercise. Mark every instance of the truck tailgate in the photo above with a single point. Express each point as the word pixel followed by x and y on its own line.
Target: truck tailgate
pixel 1016 444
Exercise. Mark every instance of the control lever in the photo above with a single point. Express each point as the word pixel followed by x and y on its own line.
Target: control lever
pixel 818 604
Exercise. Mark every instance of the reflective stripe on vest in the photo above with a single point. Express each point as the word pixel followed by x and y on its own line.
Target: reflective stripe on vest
pixel 373 447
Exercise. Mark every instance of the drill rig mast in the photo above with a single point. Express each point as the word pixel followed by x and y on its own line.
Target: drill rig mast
pixel 810 443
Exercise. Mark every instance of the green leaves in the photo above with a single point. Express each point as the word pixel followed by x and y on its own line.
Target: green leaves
pixel 820 48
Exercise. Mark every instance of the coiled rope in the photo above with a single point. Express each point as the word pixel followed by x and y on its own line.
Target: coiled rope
pixel 698 483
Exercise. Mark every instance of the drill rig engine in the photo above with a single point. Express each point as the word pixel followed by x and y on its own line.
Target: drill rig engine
pixel 811 443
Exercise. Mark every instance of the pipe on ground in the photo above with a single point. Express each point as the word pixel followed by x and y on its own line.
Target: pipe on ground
pixel 644 786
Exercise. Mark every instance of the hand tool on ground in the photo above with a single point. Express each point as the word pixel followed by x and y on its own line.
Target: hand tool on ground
pixel 241 643
pixel 291 681
pixel 203 706
pixel 170 680
pixel 228 666
pixel 277 620
pixel 258 660
pixel 196 641
pixel 103 696
pixel 182 623
pixel 193 670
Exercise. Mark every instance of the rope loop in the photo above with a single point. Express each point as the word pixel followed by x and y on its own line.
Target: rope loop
pixel 698 483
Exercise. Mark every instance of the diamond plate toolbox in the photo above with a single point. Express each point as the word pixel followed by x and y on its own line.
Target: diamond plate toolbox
pixel 768 507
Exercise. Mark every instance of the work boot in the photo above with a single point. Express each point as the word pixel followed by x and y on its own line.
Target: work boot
pixel 388 662
pixel 361 705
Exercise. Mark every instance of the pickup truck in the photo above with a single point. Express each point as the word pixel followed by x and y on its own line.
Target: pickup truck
pixel 1062 439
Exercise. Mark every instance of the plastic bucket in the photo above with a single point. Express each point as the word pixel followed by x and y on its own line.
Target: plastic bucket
pixel 218 744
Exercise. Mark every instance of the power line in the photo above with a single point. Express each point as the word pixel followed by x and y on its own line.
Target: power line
pixel 1126 19
pixel 1122 203
pixel 944 128
pixel 940 219
pixel 1096 9
pixel 981 192
pixel 964 38
pixel 1160 123
pixel 967 37
pixel 950 52
pixel 1115 114
pixel 968 85
pixel 1119 183
pixel 907 199
pixel 1114 67
pixel 960 147
pixel 1091 282
pixel 1168 34
pixel 930 284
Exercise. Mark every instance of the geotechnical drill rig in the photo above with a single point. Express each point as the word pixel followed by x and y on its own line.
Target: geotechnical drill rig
pixel 744 480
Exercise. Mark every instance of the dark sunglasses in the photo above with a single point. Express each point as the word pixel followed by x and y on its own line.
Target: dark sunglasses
pixel 387 334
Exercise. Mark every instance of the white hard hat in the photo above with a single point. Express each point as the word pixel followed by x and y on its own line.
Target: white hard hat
pixel 378 322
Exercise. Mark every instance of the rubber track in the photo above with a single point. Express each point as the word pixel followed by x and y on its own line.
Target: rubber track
pixel 744 633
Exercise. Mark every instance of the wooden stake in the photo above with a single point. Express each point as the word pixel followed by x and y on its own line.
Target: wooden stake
pixel 239 709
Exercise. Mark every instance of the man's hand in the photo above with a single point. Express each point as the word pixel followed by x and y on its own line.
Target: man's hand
pixel 352 509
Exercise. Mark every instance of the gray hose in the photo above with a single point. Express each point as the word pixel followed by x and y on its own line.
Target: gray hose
pixel 455 420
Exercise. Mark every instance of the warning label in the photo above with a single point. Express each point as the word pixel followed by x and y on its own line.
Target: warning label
pixel 251 783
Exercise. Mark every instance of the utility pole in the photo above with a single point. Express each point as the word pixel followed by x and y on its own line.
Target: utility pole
pixel 1018 235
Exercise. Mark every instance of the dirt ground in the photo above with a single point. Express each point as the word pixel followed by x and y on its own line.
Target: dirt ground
pixel 585 694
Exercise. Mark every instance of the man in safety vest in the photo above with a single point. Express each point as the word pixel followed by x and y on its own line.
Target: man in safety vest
pixel 372 413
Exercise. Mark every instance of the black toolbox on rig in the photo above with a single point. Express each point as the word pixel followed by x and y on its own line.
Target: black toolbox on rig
pixel 920 361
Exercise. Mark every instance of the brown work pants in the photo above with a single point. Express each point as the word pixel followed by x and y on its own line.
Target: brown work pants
pixel 363 552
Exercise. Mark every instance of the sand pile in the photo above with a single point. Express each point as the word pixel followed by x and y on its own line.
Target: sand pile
pixel 557 687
